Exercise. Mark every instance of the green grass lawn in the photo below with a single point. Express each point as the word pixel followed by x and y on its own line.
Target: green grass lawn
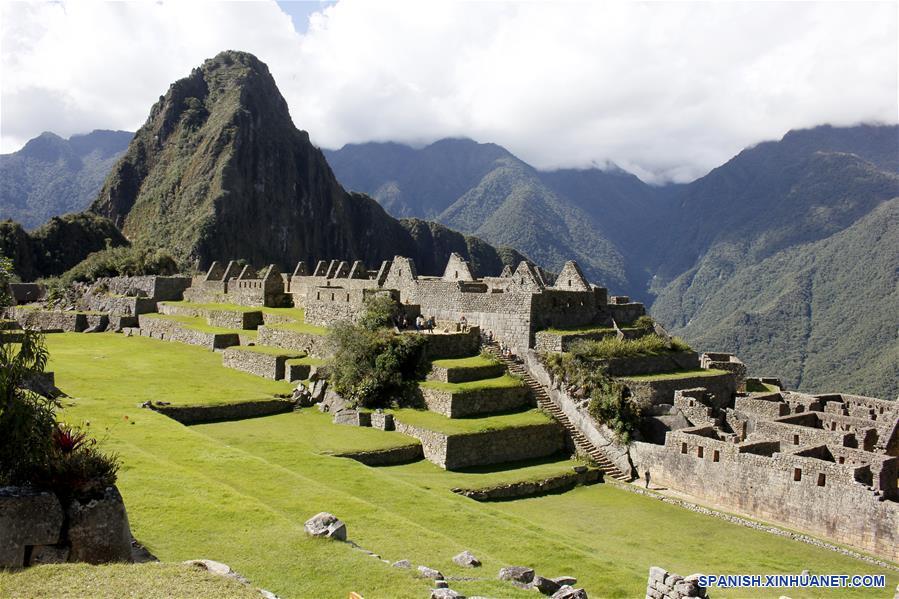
pixel 760 387
pixel 460 426
pixel 582 330
pixel 310 360
pixel 239 492
pixel 470 362
pixel 269 351
pixel 148 581
pixel 500 382
pixel 675 375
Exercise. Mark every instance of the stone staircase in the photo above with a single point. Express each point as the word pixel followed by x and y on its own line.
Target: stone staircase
pixel 545 402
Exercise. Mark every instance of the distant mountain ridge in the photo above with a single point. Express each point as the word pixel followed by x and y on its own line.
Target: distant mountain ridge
pixel 51 176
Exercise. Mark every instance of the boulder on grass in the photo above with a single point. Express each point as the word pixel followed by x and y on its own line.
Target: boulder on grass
pixel 520 574
pixel 98 529
pixel 467 560
pixel 327 525
pixel 547 586
pixel 565 581
pixel 446 594
pixel 403 563
pixel 430 573
pixel 567 592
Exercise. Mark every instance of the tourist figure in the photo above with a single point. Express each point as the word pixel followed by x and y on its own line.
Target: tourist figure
pixel 489 337
pixel 464 323
pixel 431 323
pixel 647 477
pixel 419 322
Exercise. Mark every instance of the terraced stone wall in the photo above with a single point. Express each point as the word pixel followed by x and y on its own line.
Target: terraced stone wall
pixel 721 389
pixel 314 345
pixel 462 375
pixel 454 452
pixel 159 328
pixel 261 364
pixel 476 402
pixel 224 412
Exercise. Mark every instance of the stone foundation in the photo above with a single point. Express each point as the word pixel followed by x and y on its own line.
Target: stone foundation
pixel 664 585
pixel 463 375
pixel 168 330
pixel 667 362
pixel 387 457
pixel 476 402
pixel 721 389
pixel 452 345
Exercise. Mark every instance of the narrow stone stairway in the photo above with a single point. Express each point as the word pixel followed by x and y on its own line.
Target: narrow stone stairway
pixel 545 402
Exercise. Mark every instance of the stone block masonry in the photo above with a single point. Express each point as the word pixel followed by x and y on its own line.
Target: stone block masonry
pixel 665 585
pixel 239 410
pixel 168 330
pixel 387 457
pixel 260 363
pixel 463 375
pixel 314 345
pixel 721 389
pixel 454 452
pixel 534 488
pixel 476 402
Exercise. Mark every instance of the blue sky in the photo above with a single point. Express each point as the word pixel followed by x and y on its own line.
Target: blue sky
pixel 299 11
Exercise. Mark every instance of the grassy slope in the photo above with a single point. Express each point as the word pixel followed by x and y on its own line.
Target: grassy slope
pixel 470 362
pixel 299 327
pixel 239 493
pixel 150 580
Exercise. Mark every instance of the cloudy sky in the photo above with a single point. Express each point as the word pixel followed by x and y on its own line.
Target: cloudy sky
pixel 666 90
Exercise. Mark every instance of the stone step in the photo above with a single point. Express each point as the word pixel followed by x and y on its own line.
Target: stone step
pixel 545 402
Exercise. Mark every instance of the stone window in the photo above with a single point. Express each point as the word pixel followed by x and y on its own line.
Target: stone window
pixel 347 297
pixel 318 295
pixel 700 451
pixel 795 439
pixel 821 479
pixel 833 426
pixel 456 275
pixel 842 460
pixel 797 474
pixel 716 456
pixel 683 448
pixel 332 297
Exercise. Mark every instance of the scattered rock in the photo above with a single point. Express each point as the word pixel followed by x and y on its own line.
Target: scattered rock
pixel 430 573
pixel 328 525
pixel 217 568
pixel 568 592
pixel 547 586
pixel 403 563
pixel 467 560
pixel 520 574
pixel 146 404
pixel 441 584
pixel 446 594
pixel 565 581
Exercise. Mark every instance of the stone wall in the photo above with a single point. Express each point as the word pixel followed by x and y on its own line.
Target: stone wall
pixel 234 319
pixel 37 528
pixel 168 330
pixel 314 345
pixel 546 341
pixel 637 365
pixel 534 488
pixel 721 389
pixel 463 375
pixel 240 410
pixel 387 457
pixel 813 495
pixel 50 320
pixel 261 364
pixel 664 585
pixel 454 452
pixel 477 401
pixel 453 344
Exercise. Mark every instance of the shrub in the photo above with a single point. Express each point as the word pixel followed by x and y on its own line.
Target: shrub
pixel 380 310
pixel 120 261
pixel 76 467
pixel 376 368
pixel 612 347
pixel 644 323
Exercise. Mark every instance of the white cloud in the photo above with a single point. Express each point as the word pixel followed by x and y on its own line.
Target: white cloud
pixel 665 90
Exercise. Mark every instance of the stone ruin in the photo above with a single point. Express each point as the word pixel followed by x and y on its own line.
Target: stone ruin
pixel 513 306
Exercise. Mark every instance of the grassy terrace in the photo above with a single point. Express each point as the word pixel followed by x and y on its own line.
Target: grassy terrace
pixel 299 327
pixel 269 351
pixel 759 387
pixel 310 360
pixel 501 382
pixel 461 426
pixel 198 323
pixel 150 580
pixel 582 330
pixel 470 362
pixel 239 492
pixel 297 314
pixel 675 375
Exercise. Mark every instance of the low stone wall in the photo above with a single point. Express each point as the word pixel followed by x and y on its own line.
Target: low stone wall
pixel 452 345
pixel 535 488
pixel 261 364
pixel 49 321
pixel 36 528
pixel 454 452
pixel 297 372
pixel 463 375
pixel 117 304
pixel 233 319
pixel 664 585
pixel 476 402
pixel 387 457
pixel 314 345
pixel 721 389
pixel 240 410
pixel 652 364
pixel 546 341
pixel 159 328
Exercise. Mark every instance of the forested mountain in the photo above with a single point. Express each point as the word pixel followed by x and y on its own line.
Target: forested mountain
pixel 51 176
pixel 687 249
